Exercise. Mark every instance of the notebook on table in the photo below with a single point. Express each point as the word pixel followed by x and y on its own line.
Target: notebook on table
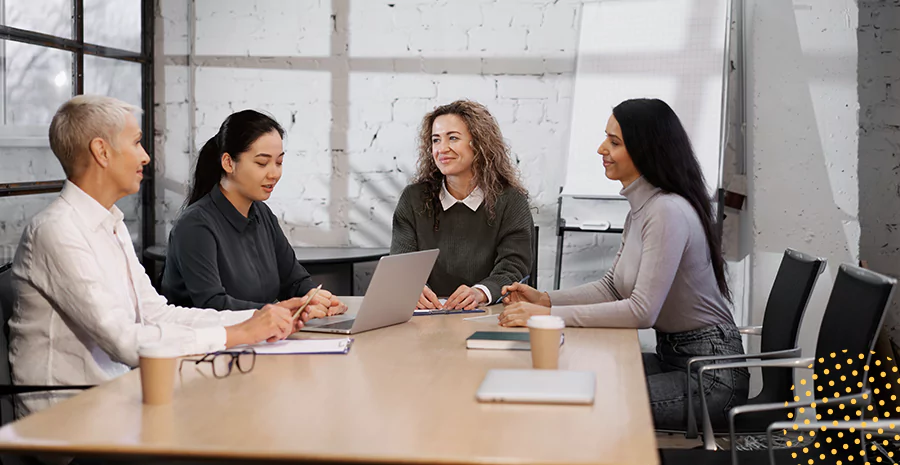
pixel 304 346
pixel 502 340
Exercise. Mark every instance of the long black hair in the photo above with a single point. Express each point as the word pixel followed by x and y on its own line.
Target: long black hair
pixel 238 132
pixel 661 150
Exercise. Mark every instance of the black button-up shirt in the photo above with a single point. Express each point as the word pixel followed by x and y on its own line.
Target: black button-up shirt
pixel 217 258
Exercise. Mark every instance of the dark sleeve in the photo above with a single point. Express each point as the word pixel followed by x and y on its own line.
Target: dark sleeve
pixel 194 246
pixel 514 252
pixel 295 280
pixel 403 230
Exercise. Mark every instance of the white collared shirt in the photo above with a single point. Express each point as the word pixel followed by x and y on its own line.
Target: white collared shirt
pixel 473 201
pixel 84 303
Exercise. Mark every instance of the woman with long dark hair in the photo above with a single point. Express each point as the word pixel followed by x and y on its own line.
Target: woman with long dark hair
pixel 227 250
pixel 467 201
pixel 669 273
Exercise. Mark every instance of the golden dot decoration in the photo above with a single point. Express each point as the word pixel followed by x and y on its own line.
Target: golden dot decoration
pixel 830 444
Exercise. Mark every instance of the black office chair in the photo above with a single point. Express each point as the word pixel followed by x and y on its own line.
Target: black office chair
pixel 790 294
pixel 853 317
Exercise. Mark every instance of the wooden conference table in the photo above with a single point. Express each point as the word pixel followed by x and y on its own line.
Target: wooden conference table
pixel 404 394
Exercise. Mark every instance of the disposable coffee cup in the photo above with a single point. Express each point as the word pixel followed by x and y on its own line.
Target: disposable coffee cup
pixel 545 332
pixel 157 373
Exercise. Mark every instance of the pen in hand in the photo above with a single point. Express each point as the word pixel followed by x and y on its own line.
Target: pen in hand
pixel 303 307
pixel 521 281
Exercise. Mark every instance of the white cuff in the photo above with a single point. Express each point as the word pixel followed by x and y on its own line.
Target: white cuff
pixel 210 339
pixel 487 293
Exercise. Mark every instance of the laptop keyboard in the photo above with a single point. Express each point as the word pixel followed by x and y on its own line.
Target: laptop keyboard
pixel 347 324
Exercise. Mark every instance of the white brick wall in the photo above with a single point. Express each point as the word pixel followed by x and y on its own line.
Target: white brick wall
pixel 352 101
pixel 347 162
pixel 879 142
pixel 803 151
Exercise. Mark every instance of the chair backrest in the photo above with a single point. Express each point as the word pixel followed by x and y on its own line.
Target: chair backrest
pixel 853 316
pixel 532 281
pixel 794 284
pixel 6 309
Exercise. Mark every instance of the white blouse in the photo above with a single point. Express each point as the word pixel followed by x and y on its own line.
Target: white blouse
pixel 84 303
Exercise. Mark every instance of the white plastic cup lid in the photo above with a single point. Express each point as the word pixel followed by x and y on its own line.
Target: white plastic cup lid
pixel 546 322
pixel 158 351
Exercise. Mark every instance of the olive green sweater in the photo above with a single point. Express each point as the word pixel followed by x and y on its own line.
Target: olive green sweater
pixel 473 248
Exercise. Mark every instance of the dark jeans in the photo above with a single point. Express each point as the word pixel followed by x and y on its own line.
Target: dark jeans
pixel 667 378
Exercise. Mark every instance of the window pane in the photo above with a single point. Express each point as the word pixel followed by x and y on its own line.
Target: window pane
pixel 15 213
pixel 113 78
pixel 36 81
pixel 52 17
pixel 113 23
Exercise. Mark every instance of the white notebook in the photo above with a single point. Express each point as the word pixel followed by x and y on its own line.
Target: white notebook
pixel 304 346
pixel 538 387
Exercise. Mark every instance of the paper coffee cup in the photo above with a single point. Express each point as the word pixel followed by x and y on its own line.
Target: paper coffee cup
pixel 545 332
pixel 157 364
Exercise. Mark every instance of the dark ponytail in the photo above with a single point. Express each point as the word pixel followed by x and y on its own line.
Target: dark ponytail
pixel 238 132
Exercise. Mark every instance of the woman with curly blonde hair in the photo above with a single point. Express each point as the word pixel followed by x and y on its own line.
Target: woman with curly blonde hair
pixel 466 200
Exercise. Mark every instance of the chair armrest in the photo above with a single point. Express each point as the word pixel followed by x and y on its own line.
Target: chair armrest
pixel 861 425
pixel 863 397
pixel 755 330
pixel 709 438
pixel 805 362
pixel 691 429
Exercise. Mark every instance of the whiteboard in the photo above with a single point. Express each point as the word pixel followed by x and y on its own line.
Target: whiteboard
pixel 673 50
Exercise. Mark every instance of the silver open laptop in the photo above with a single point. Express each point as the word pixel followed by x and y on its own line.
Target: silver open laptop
pixel 391 298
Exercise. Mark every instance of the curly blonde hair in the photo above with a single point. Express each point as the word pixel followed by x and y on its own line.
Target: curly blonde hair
pixel 493 167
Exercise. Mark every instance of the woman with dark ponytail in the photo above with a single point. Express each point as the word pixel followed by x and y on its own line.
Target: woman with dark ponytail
pixel 669 273
pixel 227 250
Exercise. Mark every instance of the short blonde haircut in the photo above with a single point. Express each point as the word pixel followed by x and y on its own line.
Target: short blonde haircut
pixel 83 119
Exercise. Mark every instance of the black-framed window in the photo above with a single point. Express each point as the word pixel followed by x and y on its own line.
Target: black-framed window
pixel 51 50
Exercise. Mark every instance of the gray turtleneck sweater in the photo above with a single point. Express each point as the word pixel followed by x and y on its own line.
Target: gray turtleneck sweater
pixel 662 276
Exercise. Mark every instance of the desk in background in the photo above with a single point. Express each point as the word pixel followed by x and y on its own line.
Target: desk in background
pixel 333 266
pixel 403 394
pixel 330 266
